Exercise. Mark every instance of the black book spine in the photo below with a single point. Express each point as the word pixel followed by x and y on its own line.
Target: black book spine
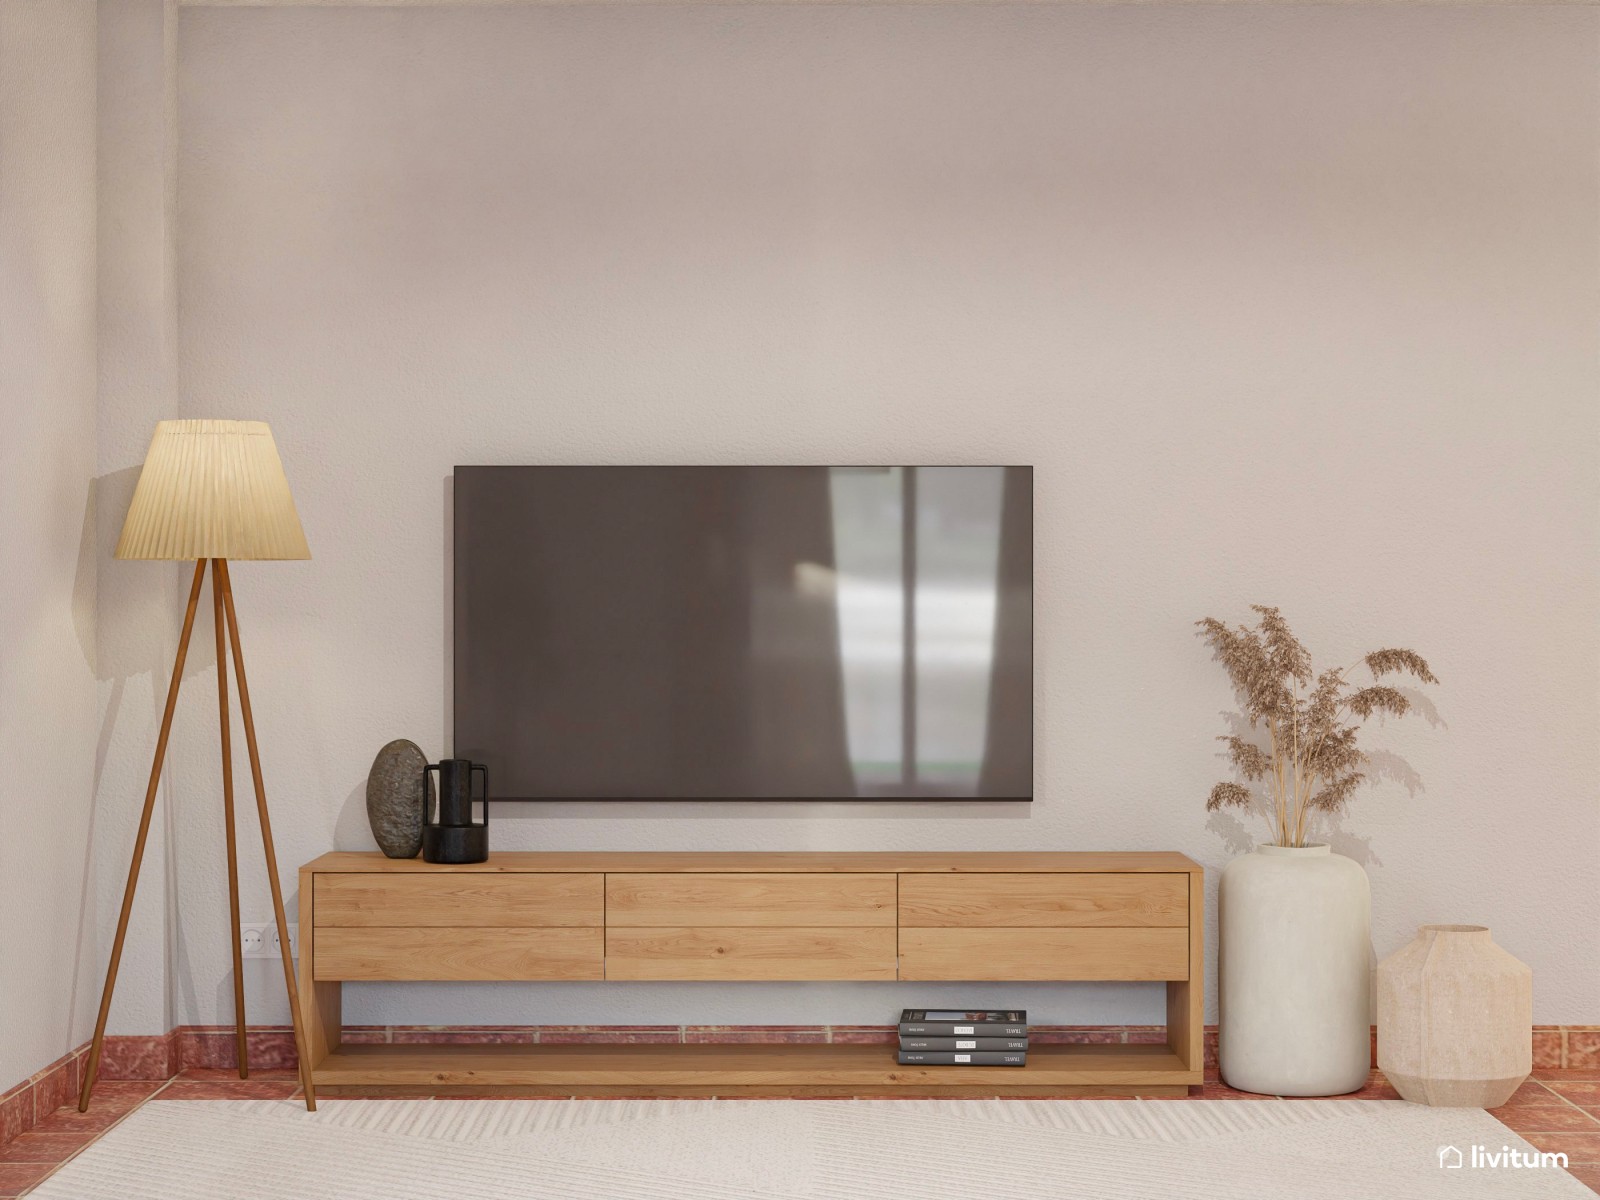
pixel 962 1043
pixel 975 1058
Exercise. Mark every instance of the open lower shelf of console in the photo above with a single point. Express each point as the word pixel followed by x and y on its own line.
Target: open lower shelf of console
pixel 725 1069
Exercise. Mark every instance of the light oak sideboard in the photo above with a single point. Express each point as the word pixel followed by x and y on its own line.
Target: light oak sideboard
pixel 757 916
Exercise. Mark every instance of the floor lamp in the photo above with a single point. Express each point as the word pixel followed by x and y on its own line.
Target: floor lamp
pixel 211 491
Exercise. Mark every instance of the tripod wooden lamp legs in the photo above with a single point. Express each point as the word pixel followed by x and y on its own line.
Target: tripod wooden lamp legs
pixel 227 630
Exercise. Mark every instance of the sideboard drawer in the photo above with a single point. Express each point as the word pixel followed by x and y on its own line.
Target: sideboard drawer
pixel 721 900
pixel 746 953
pixel 1022 900
pixel 459 899
pixel 1044 954
pixel 436 953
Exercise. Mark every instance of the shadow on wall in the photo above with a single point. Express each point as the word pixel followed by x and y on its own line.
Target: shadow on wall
pixel 127 639
pixel 1385 766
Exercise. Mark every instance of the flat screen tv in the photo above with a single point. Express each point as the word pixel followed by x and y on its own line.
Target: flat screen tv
pixel 745 633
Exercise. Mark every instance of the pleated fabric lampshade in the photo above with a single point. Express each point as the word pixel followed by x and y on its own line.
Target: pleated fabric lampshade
pixel 212 489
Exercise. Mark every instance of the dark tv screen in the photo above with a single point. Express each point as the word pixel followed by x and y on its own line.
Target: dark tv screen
pixel 745 633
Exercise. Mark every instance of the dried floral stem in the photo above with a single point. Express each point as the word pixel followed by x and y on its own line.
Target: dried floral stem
pixel 1310 760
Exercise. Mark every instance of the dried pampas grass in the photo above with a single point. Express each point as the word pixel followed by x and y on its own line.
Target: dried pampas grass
pixel 1311 764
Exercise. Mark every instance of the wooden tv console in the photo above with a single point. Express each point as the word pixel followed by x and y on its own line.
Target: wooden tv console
pixel 757 916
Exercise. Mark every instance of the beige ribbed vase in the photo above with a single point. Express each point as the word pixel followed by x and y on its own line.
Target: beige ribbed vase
pixel 1455 1018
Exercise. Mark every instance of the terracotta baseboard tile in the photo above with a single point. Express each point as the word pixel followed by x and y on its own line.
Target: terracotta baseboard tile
pixel 136 1058
pixel 1061 1035
pixel 1567 1056
pixel 462 1037
pixel 1147 1037
pixel 56 1086
pixel 863 1035
pixel 16 1112
pixel 1583 1049
pixel 1548 1047
pixel 731 1034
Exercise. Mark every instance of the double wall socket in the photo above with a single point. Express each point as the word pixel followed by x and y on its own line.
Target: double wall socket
pixel 260 939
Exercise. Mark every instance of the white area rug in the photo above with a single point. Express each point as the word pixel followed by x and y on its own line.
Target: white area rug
pixel 789 1150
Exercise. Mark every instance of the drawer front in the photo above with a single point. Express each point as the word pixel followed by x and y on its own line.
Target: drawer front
pixel 459 900
pixel 1056 900
pixel 741 952
pixel 720 901
pixel 466 953
pixel 1044 954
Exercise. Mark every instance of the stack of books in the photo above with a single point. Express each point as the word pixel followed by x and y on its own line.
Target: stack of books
pixel 934 1038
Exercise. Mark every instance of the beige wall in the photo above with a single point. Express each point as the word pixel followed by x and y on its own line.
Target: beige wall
pixel 1285 305
pixel 140 603
pixel 47 558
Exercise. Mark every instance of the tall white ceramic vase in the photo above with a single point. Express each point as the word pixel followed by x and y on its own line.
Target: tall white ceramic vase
pixel 1294 974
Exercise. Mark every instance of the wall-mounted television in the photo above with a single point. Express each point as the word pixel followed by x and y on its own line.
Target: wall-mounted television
pixel 745 633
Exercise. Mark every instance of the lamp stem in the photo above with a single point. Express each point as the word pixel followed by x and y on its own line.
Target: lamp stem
pixel 220 568
pixel 219 621
pixel 92 1067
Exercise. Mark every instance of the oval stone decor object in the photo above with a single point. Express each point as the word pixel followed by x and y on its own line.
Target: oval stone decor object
pixel 396 800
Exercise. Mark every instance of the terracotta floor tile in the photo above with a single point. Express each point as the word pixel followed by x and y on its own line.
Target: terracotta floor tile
pixel 1194 1093
pixel 254 1089
pixel 102 1115
pixel 529 1094
pixel 1570 1075
pixel 18 1177
pixel 1545 1118
pixel 1221 1091
pixel 46 1147
pixel 1534 1091
pixel 1581 1093
pixel 1377 1087
pixel 231 1075
pixel 1581 1149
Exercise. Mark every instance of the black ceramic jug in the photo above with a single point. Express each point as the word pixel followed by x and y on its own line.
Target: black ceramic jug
pixel 454 837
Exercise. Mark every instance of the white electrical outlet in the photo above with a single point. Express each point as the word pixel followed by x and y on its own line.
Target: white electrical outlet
pixel 259 939
pixel 275 947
